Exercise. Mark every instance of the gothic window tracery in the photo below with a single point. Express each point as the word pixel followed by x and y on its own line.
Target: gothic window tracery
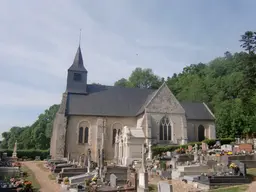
pixel 165 132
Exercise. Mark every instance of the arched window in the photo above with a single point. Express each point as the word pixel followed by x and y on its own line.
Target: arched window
pixel 86 135
pixel 200 133
pixel 116 130
pixel 80 135
pixel 114 136
pixel 165 132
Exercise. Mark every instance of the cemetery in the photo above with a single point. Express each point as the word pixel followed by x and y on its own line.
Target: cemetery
pixel 12 178
pixel 195 167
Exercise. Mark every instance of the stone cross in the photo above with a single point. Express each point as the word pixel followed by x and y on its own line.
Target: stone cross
pixel 80 160
pixel 89 160
pixel 68 157
pixel 196 153
pixel 196 148
pixel 174 165
pixel 14 154
pixel 144 153
pixel 116 149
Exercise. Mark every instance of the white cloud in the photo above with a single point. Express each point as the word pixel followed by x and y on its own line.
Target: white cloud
pixel 23 96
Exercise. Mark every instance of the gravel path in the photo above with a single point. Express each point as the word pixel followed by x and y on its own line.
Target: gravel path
pixel 41 175
pixel 252 187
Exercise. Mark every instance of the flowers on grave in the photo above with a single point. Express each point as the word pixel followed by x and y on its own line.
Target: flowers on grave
pixel 233 165
pixel 19 183
pixel 66 181
pixel 16 164
pixel 27 185
pixel 12 180
pixel 95 177
pixel 180 150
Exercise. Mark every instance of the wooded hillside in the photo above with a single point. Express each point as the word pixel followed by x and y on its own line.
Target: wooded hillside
pixel 227 84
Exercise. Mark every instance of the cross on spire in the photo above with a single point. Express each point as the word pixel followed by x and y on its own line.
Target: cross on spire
pixel 80 37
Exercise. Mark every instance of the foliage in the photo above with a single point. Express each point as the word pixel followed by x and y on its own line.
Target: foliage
pixel 29 154
pixel 36 136
pixel 141 78
pixel 161 149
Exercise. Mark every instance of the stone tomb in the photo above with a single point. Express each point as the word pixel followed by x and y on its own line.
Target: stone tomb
pixel 113 179
pixel 130 145
pixel 81 178
pixel 222 178
pixel 226 148
pixel 8 172
pixel 70 172
pixel 182 171
pixel 164 187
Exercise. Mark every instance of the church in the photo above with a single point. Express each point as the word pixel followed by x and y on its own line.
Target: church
pixel 90 114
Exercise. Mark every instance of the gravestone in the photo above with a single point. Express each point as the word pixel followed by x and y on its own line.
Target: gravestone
pixel 245 147
pixel 37 158
pixel 143 175
pixel 168 153
pixel 242 167
pixel 227 148
pixel 164 187
pixel 217 143
pixel 254 143
pixel 201 159
pixel 204 146
pixel 113 180
pixel 190 148
pixel 224 159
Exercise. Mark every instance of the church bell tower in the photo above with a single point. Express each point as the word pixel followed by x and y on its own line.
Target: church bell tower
pixel 77 75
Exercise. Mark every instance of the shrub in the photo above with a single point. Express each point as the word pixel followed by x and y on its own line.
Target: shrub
pixel 30 154
pixel 157 150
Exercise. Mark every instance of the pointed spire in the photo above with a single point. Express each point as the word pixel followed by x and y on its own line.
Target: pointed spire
pixel 78 64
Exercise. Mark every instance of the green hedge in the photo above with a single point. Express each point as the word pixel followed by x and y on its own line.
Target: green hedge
pixel 30 154
pixel 160 149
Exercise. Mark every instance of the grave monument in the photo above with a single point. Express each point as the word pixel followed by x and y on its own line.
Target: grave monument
pixel 143 175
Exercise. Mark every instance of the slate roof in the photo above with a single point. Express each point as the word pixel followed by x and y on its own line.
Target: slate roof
pixel 123 102
pixel 196 111
pixel 78 63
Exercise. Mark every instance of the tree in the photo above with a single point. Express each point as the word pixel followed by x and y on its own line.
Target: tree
pixel 122 83
pixel 36 136
pixel 248 40
pixel 141 78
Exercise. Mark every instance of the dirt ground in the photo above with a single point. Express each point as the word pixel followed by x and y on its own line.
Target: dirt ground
pixel 41 175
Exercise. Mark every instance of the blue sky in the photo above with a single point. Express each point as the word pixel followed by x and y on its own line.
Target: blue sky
pixel 38 41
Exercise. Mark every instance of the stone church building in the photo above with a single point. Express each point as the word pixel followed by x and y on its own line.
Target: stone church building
pixel 90 111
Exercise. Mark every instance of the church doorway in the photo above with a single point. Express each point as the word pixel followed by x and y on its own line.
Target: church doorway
pixel 200 133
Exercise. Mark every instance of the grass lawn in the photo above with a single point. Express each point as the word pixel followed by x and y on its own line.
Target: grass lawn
pixel 152 188
pixel 251 171
pixel 239 188
pixel 31 177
